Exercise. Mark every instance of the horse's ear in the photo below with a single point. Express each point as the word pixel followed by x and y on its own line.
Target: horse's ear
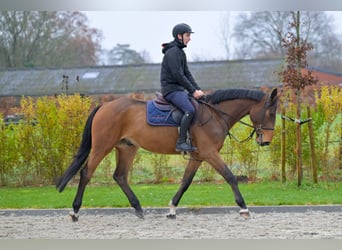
pixel 274 94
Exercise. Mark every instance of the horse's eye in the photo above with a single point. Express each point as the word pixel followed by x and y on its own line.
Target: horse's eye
pixel 272 112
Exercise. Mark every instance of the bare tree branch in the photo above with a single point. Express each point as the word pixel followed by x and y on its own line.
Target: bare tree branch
pixel 47 38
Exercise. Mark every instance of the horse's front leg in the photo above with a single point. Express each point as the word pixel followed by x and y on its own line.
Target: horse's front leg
pixel 219 165
pixel 189 174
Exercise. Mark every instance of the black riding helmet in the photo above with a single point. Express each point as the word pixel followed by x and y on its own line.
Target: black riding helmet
pixel 181 29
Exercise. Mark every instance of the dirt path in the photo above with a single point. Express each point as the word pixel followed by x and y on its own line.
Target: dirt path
pixel 210 223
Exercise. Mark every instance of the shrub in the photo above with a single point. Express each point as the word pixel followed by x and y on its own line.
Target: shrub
pixel 41 146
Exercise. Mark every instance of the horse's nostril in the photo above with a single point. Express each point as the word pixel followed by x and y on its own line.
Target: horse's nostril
pixel 264 143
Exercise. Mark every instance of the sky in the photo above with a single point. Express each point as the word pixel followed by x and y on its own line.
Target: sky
pixel 147 30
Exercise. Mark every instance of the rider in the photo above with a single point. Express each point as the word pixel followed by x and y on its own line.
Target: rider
pixel 176 80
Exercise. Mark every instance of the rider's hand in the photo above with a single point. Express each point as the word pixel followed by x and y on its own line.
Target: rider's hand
pixel 198 94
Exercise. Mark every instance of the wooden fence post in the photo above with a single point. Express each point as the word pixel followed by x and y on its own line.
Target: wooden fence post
pixel 312 149
pixel 283 147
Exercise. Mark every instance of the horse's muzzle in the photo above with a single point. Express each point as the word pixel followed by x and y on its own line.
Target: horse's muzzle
pixel 264 143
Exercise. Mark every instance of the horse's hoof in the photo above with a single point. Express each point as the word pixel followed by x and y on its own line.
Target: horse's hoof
pixel 139 214
pixel 245 214
pixel 74 217
pixel 171 216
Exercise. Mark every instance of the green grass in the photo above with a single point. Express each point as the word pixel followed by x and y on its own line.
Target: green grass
pixel 265 193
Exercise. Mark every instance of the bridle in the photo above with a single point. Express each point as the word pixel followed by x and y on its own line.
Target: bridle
pixel 256 129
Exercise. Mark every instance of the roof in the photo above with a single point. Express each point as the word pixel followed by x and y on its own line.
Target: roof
pixel 325 77
pixel 134 78
pixel 140 78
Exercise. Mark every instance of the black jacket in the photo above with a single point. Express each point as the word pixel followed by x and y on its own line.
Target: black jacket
pixel 175 74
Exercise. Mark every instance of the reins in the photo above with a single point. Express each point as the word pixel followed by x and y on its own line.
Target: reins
pixel 255 129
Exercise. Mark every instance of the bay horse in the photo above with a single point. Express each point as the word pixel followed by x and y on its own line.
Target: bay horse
pixel 121 124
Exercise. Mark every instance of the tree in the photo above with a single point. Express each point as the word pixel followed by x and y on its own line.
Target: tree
pixel 297 48
pixel 47 38
pixel 259 34
pixel 225 34
pixel 122 54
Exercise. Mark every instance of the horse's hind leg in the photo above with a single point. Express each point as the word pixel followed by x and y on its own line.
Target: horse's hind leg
pixel 223 170
pixel 125 154
pixel 189 174
pixel 85 176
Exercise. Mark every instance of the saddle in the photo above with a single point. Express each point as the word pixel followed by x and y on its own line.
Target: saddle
pixel 160 112
pixel 161 103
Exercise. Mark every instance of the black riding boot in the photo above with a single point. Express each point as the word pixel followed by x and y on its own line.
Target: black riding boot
pixel 184 127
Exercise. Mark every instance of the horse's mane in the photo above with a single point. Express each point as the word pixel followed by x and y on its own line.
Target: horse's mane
pixel 230 94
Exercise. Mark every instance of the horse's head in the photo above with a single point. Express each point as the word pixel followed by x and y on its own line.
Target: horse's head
pixel 263 117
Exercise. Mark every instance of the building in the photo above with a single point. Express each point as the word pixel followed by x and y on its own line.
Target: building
pixel 118 80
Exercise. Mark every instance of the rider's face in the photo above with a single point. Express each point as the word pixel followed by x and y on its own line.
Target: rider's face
pixel 186 37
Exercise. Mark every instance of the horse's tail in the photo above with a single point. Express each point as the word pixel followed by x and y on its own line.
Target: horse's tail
pixel 81 156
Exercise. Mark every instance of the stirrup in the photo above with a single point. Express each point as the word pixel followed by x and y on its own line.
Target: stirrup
pixel 184 147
